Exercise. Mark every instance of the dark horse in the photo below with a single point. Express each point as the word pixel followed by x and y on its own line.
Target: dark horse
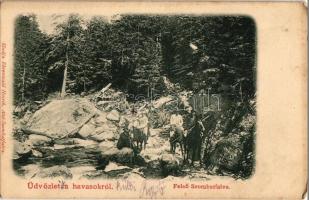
pixel 177 137
pixel 140 137
pixel 193 140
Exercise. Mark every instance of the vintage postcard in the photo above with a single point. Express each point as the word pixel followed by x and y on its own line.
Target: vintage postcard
pixel 155 100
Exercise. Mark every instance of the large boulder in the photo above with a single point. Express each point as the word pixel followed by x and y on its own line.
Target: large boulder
pixel 101 119
pixel 113 116
pixel 21 150
pixel 61 118
pixel 107 131
pixel 87 130
pixel 100 129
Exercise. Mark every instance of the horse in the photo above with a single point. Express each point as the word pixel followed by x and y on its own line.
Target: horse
pixel 177 135
pixel 140 137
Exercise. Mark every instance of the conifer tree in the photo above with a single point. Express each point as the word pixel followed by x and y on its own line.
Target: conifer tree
pixel 29 67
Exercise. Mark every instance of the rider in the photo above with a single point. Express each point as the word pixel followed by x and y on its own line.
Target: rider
pixel 143 122
pixel 176 122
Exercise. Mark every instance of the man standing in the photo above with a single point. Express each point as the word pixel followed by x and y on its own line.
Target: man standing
pixel 125 138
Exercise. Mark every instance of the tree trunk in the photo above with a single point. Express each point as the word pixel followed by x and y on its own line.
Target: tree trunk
pixel 240 91
pixel 84 81
pixel 64 80
pixel 65 73
pixel 23 88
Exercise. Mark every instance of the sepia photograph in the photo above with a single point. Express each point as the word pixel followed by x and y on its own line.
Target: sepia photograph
pixel 153 100
pixel 134 95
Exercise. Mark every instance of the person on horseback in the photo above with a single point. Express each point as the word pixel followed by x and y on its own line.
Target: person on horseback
pixel 140 130
pixel 176 120
pixel 177 133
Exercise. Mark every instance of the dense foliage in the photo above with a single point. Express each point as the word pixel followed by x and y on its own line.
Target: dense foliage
pixel 29 68
pixel 133 52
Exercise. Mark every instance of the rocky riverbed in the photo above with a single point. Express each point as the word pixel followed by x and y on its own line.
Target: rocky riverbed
pixel 76 138
pixel 72 138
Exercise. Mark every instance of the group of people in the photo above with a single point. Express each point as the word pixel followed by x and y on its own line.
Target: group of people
pixel 188 134
pixel 134 134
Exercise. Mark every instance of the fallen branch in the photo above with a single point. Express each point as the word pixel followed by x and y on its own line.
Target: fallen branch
pixel 104 102
pixel 103 91
pixel 106 88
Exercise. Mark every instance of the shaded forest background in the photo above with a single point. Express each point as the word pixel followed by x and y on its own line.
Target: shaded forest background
pixel 144 56
pixel 134 52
